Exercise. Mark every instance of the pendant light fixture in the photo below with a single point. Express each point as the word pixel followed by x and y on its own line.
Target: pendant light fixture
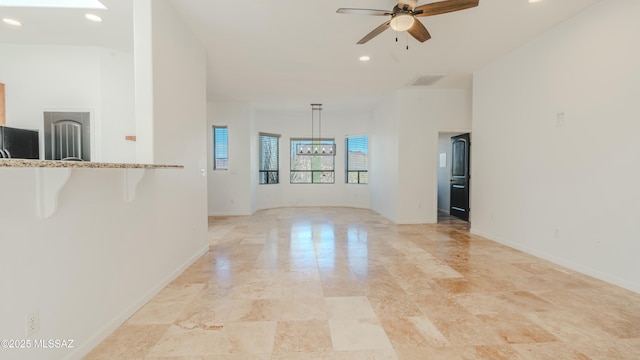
pixel 317 146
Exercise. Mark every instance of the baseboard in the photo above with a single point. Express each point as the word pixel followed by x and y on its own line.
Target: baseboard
pixel 106 330
pixel 611 279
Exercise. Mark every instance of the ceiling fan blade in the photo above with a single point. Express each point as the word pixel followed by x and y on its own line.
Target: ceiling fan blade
pixel 373 12
pixel 410 4
pixel 377 31
pixel 443 7
pixel 418 31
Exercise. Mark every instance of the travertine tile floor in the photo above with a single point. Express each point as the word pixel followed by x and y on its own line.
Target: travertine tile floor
pixel 336 283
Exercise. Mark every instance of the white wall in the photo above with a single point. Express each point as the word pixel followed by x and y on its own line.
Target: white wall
pixel 179 124
pixel 236 191
pixel 422 114
pixel 94 262
pixel 71 78
pixel 403 138
pixel 230 190
pixel 98 259
pixel 117 118
pixel 143 80
pixel 565 190
pixel 383 178
pixel 296 124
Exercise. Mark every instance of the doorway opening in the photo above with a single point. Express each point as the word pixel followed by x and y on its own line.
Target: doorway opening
pixel 453 176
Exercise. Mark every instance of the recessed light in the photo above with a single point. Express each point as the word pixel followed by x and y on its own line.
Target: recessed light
pixel 92 17
pixel 534 1
pixel 364 58
pixel 12 22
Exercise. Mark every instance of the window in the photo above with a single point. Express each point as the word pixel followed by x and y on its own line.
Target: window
pixel 357 160
pixel 311 169
pixel 220 148
pixel 269 159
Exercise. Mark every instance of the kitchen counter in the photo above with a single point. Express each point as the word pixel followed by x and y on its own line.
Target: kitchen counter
pixel 23 163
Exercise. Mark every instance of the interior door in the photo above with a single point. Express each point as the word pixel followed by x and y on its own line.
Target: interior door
pixel 460 177
pixel 67 136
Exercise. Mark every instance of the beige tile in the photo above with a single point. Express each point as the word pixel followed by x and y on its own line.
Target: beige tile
pixel 215 357
pixel 480 303
pixel 302 336
pixel 435 269
pixel 381 287
pixel 301 308
pixel 361 334
pixel 250 337
pixel 394 306
pixel 419 287
pixel 379 354
pixel 329 355
pixel 349 307
pixel 344 287
pixel 337 283
pixel 157 312
pixel 179 293
pixel 569 326
pixel 506 352
pixel 129 342
pixel 255 310
pixel 440 306
pixel 413 332
pixel 517 329
pixel 204 313
pixel 525 301
pixel 178 341
pixel 308 289
pixel 502 352
pixel 467 330
pixel 549 351
pixel 258 289
pixel 605 350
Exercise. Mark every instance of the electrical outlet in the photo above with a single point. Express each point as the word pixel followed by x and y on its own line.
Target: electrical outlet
pixel 32 323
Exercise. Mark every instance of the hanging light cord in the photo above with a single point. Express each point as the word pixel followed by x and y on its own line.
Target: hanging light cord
pixel 407 40
pixel 320 125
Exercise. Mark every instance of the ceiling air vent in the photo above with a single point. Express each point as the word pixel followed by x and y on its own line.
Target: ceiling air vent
pixel 425 80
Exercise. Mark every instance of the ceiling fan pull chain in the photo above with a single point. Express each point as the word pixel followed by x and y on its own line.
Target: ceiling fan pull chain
pixel 407 41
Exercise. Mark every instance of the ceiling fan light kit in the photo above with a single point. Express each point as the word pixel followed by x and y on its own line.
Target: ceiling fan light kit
pixel 404 14
pixel 402 22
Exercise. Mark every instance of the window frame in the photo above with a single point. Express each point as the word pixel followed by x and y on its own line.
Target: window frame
pixel 214 143
pixel 347 170
pixel 315 174
pixel 260 167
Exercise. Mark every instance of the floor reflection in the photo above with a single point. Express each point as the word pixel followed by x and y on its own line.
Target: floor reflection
pixel 336 283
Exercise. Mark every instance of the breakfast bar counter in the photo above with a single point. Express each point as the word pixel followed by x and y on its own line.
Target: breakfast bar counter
pixel 51 176
pixel 24 163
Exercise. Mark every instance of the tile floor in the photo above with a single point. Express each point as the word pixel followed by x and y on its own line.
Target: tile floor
pixel 337 283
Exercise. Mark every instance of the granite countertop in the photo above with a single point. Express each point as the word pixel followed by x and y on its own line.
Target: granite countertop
pixel 24 163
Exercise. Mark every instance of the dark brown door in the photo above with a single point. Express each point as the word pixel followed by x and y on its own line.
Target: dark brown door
pixel 460 176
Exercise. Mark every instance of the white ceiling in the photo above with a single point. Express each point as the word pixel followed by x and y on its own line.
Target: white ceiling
pixel 61 26
pixel 289 53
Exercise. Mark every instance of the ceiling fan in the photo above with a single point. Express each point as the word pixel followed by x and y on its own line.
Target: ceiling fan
pixel 403 16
